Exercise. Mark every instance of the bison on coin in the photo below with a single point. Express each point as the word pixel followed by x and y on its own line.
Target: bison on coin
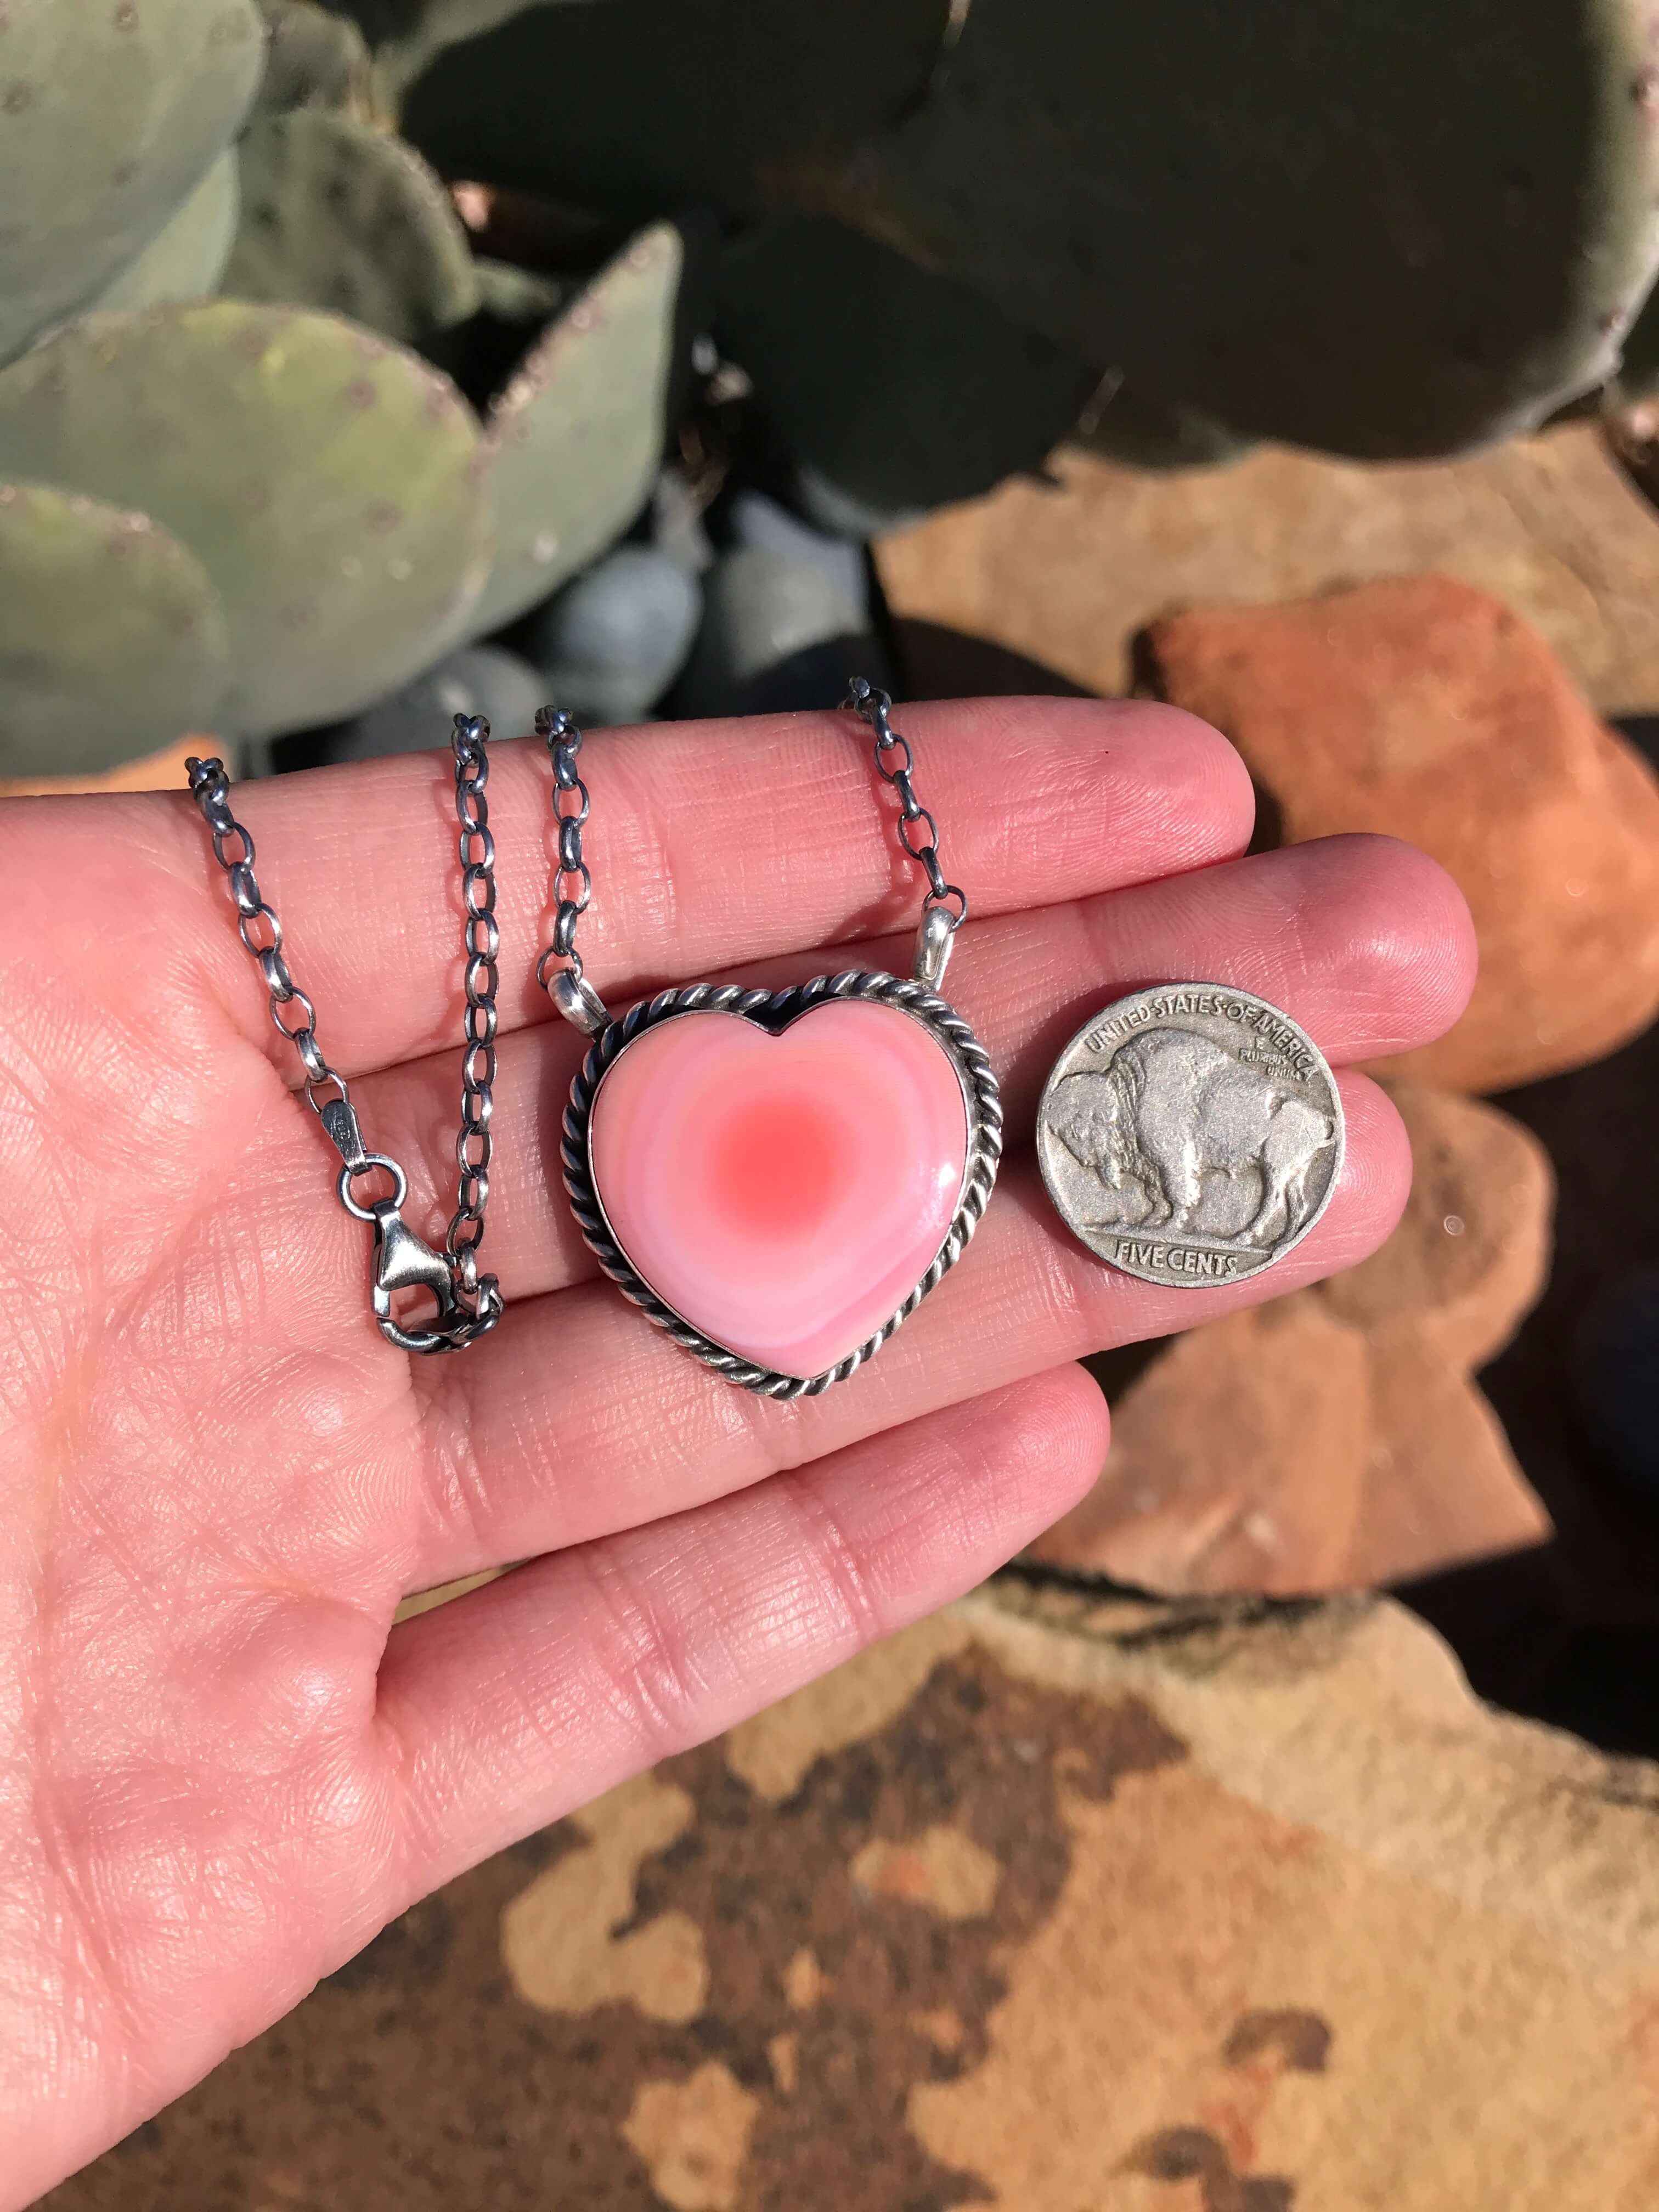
pixel 1173 1108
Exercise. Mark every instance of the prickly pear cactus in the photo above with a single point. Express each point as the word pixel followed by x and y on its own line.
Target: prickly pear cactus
pixel 313 58
pixel 112 637
pixel 186 260
pixel 574 442
pixel 328 481
pixel 512 295
pixel 904 388
pixel 338 215
pixel 408 34
pixel 1377 230
pixel 663 101
pixel 1122 422
pixel 110 115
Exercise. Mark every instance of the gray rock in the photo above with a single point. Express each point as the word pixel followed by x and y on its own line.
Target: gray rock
pixel 831 507
pixel 476 679
pixel 786 618
pixel 613 640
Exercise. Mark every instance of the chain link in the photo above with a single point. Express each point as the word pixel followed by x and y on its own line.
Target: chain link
pixel 469 1305
pixel 559 971
pixel 894 762
pixel 563 741
pixel 480 938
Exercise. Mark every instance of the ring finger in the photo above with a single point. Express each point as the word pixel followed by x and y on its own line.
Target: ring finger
pixel 583 1419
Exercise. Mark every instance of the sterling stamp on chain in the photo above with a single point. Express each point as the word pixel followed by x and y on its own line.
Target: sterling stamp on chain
pixel 1191 1133
pixel 777 1178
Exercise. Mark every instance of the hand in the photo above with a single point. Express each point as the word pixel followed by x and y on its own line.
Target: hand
pixel 222 1769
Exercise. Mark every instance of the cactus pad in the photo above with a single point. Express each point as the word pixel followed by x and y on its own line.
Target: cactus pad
pixel 901 387
pixel 328 481
pixel 1123 422
pixel 575 440
pixel 109 116
pixel 186 260
pixel 313 58
pixel 111 638
pixel 660 101
pixel 512 295
pixel 1377 230
pixel 337 214
pixel 408 34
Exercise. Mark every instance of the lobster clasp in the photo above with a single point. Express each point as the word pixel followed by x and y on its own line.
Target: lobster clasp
pixel 403 1262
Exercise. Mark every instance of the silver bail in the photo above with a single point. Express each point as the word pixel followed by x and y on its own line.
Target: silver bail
pixel 934 932
pixel 578 1001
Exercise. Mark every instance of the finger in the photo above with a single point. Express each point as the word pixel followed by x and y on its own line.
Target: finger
pixel 1361 940
pixel 582 1417
pixel 709 843
pixel 510 1706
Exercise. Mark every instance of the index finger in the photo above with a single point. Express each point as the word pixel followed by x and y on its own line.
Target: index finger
pixel 710 844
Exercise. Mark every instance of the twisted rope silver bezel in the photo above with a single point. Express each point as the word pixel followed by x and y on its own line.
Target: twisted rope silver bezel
pixel 776 1010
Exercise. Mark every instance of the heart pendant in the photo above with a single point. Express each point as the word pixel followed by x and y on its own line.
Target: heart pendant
pixel 778 1179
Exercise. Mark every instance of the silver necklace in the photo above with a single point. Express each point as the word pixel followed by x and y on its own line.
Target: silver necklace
pixel 467 1304
pixel 776 1178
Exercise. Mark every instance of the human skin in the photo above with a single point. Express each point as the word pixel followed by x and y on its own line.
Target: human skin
pixel 222 1768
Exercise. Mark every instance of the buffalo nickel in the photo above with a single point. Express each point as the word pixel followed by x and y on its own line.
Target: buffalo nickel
pixel 1192 1134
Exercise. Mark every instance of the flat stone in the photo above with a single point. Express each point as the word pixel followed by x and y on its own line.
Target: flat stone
pixel 1335 1439
pixel 1471 1254
pixel 1426 709
pixel 1067 570
pixel 1047 1903
pixel 1237 1460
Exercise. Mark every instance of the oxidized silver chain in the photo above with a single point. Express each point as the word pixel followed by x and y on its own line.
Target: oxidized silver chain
pixel 469 1305
pixel 573 882
pixel 944 909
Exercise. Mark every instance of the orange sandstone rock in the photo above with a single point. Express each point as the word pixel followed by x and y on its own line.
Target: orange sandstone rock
pixel 1426 709
pixel 1336 1438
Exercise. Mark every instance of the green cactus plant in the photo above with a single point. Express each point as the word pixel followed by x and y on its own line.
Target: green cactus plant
pixel 328 481
pixel 336 214
pixel 512 295
pixel 574 442
pixel 661 101
pixel 1390 234
pixel 314 59
pixel 109 119
pixel 186 259
pixel 1124 422
pixel 901 387
pixel 113 639
pixel 1394 231
pixel 409 33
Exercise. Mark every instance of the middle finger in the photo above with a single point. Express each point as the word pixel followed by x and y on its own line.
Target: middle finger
pixel 581 1419
pixel 1359 940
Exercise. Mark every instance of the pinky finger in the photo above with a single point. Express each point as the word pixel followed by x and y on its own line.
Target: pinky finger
pixel 511 1706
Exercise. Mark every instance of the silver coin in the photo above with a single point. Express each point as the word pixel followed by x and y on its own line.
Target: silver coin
pixel 1192 1134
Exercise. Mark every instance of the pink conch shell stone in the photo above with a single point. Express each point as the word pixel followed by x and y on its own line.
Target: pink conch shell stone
pixel 785 1194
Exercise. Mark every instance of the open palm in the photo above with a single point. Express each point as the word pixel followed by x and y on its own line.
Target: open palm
pixel 222 1768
